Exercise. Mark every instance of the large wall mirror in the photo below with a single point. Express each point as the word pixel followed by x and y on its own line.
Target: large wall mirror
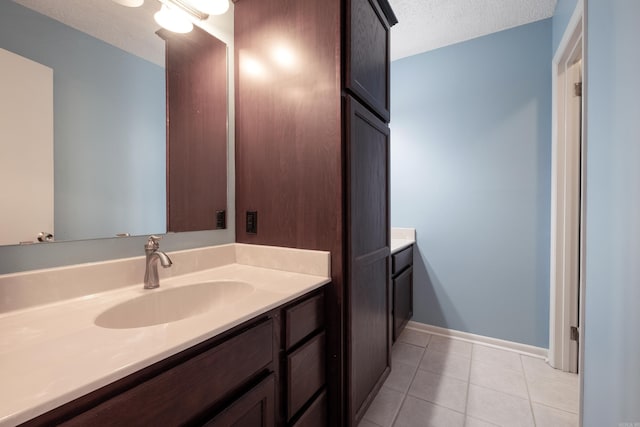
pixel 101 171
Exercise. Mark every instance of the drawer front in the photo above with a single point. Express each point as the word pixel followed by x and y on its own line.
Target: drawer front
pixel 303 319
pixel 316 414
pixel 402 301
pixel 252 409
pixel 205 379
pixel 305 373
pixel 401 260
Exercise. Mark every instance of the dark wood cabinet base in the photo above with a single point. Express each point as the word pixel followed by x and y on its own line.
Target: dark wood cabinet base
pixel 402 283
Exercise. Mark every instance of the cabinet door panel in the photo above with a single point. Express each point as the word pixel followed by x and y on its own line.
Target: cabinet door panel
pixel 368 148
pixel 402 301
pixel 367 66
pixel 254 409
pixel 368 251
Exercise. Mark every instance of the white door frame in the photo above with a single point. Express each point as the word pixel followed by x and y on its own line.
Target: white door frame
pixel 565 196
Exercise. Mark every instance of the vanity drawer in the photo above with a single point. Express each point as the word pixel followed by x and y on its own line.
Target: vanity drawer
pixel 303 319
pixel 254 408
pixel 316 415
pixel 175 396
pixel 401 260
pixel 305 373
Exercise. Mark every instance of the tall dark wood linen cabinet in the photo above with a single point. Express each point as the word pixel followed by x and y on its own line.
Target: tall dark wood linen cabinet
pixel 312 160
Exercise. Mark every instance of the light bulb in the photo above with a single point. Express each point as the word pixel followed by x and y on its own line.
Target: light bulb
pixel 173 20
pixel 218 7
pixel 211 7
pixel 129 3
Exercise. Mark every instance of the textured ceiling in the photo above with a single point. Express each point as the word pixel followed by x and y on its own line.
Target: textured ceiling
pixel 423 24
pixel 130 28
pixel 429 24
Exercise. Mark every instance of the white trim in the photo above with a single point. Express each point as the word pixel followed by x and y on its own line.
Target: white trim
pixel 525 349
pixel 572 26
pixel 560 294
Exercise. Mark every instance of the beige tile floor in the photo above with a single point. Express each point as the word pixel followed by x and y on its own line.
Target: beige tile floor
pixel 445 382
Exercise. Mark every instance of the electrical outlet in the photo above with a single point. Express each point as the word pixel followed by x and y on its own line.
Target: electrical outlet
pixel 252 222
pixel 221 219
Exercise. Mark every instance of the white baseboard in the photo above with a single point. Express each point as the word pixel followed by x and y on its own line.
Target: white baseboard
pixel 526 349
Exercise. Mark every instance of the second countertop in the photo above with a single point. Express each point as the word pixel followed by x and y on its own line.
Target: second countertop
pixel 402 238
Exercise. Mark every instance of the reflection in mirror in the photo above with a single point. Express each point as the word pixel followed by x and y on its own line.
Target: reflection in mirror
pixel 109 120
pixel 196 167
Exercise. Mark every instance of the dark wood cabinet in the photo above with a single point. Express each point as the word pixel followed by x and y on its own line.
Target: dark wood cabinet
pixel 368 255
pixel 367 55
pixel 402 282
pixel 245 377
pixel 303 319
pixel 253 409
pixel 305 374
pixel 312 160
pixel 304 348
pixel 316 415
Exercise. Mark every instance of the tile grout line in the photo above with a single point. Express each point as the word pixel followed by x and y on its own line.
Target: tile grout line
pixel 464 412
pixel 406 393
pixel 526 383
pixel 466 402
pixel 546 405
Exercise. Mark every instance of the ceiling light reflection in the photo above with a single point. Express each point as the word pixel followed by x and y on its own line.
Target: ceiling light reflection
pixel 252 66
pixel 173 20
pixel 284 57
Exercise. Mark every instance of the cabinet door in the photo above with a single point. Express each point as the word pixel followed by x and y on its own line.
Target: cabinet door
pixel 368 305
pixel 253 409
pixel 367 65
pixel 402 301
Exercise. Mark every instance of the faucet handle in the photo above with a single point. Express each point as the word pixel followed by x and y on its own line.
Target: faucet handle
pixel 152 243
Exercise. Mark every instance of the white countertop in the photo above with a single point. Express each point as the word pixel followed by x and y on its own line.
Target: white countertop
pixel 402 238
pixel 54 353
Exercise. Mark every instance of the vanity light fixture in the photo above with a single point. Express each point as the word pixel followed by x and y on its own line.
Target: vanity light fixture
pixel 212 7
pixel 178 15
pixel 185 8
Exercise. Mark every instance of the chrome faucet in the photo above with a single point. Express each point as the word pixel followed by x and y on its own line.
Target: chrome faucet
pixel 151 280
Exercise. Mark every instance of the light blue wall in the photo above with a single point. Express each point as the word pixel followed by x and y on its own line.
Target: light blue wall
pixel 561 18
pixel 470 169
pixel 612 325
pixel 109 127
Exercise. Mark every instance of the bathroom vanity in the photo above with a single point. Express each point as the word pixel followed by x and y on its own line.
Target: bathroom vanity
pixel 402 243
pixel 254 355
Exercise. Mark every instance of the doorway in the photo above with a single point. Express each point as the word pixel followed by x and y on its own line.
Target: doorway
pixel 567 199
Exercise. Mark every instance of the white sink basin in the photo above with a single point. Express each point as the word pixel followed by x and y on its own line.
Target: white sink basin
pixel 169 305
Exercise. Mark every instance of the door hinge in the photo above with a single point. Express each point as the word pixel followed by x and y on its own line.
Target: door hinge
pixel 574 335
pixel 577 89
